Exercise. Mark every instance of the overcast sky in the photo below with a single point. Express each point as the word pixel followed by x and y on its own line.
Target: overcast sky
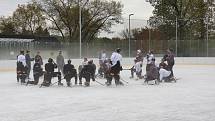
pixel 141 10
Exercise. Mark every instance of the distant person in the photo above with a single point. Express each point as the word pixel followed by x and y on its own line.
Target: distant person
pixel 170 61
pixel 116 67
pixel 103 56
pixel 85 62
pixel 60 62
pixel 150 61
pixel 69 72
pixel 138 64
pixel 49 73
pixel 37 72
pixel 87 72
pixel 28 62
pixel 163 70
pixel 21 58
pixel 21 69
pixel 102 59
pixel 38 57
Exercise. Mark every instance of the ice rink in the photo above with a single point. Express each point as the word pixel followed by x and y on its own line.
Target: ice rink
pixel 192 98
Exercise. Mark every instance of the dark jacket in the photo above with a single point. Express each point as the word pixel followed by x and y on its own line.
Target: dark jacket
pixel 49 67
pixel 170 59
pixel 163 65
pixel 28 59
pixel 69 69
pixel 38 57
pixel 88 70
pixel 37 67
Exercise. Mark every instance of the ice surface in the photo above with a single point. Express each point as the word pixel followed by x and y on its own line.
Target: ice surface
pixel 192 98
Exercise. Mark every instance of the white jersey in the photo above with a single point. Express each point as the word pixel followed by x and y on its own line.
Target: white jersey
pixel 150 59
pixel 21 58
pixel 103 58
pixel 84 63
pixel 137 66
pixel 115 57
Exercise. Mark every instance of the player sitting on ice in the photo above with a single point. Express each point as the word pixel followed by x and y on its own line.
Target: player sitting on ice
pixel 87 72
pixel 21 69
pixel 69 72
pixel 49 73
pixel 37 72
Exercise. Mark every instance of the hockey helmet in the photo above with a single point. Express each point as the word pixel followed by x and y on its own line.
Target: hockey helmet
pixel 118 50
pixel 50 60
pixel 22 52
pixel 69 61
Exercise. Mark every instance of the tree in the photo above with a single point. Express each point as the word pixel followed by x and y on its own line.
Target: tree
pixel 7 26
pixel 187 14
pixel 190 18
pixel 41 32
pixel 143 37
pixel 97 15
pixel 28 18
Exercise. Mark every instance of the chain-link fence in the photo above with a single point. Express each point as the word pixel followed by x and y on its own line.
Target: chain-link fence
pixel 190 42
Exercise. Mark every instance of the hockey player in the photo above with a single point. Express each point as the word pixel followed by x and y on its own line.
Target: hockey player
pixel 150 61
pixel 107 72
pixel 21 69
pixel 87 72
pixel 60 62
pixel 49 73
pixel 170 61
pixel 163 70
pixel 102 58
pixel 151 69
pixel 38 57
pixel 69 72
pixel 28 62
pixel 116 67
pixel 138 64
pixel 153 74
pixel 94 69
pixel 138 69
pixel 37 72
pixel 21 58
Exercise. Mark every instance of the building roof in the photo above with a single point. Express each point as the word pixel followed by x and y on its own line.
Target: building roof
pixel 15 40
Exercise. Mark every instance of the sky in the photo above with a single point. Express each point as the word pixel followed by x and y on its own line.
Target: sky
pixel 141 9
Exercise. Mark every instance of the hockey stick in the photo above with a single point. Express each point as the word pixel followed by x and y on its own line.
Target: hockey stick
pixel 126 69
pixel 99 83
pixel 41 85
pixel 123 80
pixel 52 83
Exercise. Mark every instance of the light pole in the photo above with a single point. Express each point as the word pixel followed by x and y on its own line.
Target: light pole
pixel 129 32
pixel 207 21
pixel 207 34
pixel 149 29
pixel 176 36
pixel 79 27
